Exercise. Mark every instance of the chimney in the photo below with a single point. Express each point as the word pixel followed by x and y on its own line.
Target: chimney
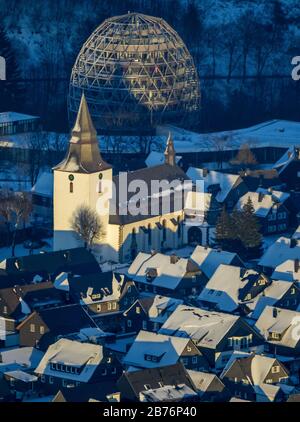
pixel 296 265
pixel 174 259
pixel 275 312
pixel 260 196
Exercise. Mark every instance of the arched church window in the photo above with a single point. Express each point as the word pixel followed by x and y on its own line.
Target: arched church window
pixel 179 227
pixel 149 234
pixel 71 178
pixel 164 230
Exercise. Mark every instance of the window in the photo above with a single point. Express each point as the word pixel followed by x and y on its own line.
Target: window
pixel 185 361
pixel 293 290
pixel 104 372
pixel 109 360
pixel 282 227
pixel 248 297
pixel 272 229
pixel 281 215
pixel 51 381
pixel 272 216
pixel 211 292
pixel 138 310
pixel 195 359
pixel 109 306
pixel 43 378
pixel 275 336
pixel 144 325
pixel 129 324
pixel 114 305
pixel 269 381
pixel 64 383
pixel 275 369
pixel 5 309
pixel 114 371
pixel 71 187
pixel 32 328
pixel 42 329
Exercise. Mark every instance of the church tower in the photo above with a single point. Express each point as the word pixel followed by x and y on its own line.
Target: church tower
pixel 170 154
pixel 79 179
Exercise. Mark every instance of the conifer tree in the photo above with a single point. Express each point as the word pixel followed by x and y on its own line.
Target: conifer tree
pixel 225 231
pixel 248 229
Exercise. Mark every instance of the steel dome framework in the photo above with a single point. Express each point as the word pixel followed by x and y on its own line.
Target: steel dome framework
pixel 136 73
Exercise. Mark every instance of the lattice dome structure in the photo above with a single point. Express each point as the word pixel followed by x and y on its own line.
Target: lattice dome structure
pixel 136 73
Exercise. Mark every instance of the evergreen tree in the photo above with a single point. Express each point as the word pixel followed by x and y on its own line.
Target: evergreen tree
pixel 11 92
pixel 248 230
pixel 225 231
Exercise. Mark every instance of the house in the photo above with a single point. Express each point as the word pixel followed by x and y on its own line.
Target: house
pixel 255 378
pixel 42 199
pixel 19 301
pixel 169 394
pixel 209 387
pixel 12 123
pixel 132 383
pixel 215 334
pixel 152 350
pixel 282 294
pixel 9 337
pixel 22 384
pixel 226 188
pixel 280 329
pixel 25 359
pixel 149 313
pixel 261 178
pixel 42 328
pixel 270 209
pixel 209 259
pixel 48 265
pixel 103 293
pixel 279 252
pixel 166 275
pixel 68 364
pixel 288 270
pixel 231 289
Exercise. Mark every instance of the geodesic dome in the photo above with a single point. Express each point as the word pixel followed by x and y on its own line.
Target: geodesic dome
pixel 136 73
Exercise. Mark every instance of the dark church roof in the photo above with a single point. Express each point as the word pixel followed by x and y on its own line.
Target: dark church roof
pixel 83 155
pixel 162 172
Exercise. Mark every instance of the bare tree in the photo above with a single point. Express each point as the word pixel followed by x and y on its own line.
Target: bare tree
pixel 220 143
pixel 6 209
pixel 87 225
pixel 21 207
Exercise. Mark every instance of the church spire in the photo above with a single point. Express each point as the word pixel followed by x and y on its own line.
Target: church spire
pixel 170 154
pixel 83 154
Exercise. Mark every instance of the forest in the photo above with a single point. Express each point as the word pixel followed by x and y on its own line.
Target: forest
pixel 243 50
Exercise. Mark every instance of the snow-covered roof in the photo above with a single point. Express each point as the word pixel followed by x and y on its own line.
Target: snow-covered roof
pixel 11 116
pixel 21 376
pixel 156 158
pixel 167 393
pixel 159 308
pixel 201 380
pixel 166 349
pixel 296 235
pixel 224 180
pixel 224 287
pixel 273 133
pixel 61 282
pixel 280 251
pixel 168 274
pixel 44 185
pixel 263 200
pixel 209 259
pixel 287 271
pixel 279 321
pixel 25 357
pixel 197 202
pixel 204 327
pixel 74 354
pixel 274 292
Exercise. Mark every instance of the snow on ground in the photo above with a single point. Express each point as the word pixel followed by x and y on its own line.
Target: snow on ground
pixel 21 251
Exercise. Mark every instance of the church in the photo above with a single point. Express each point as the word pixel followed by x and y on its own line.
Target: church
pixel 79 180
